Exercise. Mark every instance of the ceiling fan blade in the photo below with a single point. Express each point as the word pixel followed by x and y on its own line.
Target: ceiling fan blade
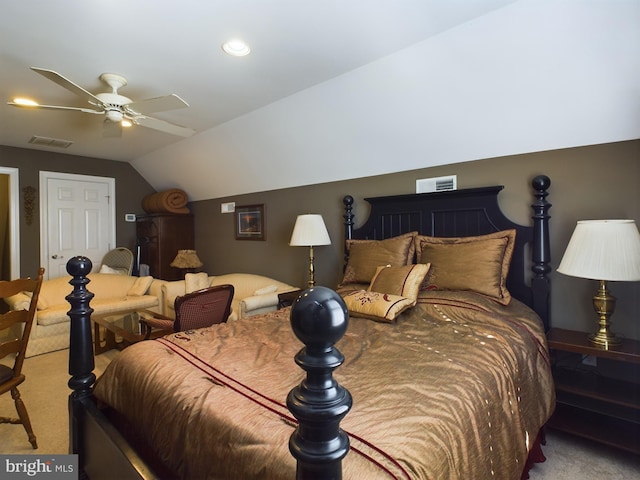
pixel 55 107
pixel 163 126
pixel 68 84
pixel 111 129
pixel 157 104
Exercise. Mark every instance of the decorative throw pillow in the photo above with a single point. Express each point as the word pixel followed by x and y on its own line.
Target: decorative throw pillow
pixel 140 286
pixel 376 306
pixel 365 256
pixel 195 281
pixel 480 263
pixel 403 281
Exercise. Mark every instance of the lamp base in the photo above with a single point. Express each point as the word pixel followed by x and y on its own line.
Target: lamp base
pixel 605 339
pixel 604 304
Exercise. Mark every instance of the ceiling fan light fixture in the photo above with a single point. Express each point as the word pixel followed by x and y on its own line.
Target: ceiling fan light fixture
pixel 236 47
pixel 114 116
pixel 25 102
pixel 126 123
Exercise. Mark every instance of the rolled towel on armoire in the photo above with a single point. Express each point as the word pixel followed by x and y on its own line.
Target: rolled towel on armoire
pixel 173 200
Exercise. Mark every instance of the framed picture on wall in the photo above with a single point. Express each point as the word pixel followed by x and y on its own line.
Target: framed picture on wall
pixel 250 222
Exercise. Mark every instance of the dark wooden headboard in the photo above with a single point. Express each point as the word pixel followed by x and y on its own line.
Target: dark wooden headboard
pixel 464 213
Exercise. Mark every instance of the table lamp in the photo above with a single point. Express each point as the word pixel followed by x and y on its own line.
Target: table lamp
pixel 603 250
pixel 186 260
pixel 310 231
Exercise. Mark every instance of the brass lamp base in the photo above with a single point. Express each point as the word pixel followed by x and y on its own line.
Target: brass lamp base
pixel 604 304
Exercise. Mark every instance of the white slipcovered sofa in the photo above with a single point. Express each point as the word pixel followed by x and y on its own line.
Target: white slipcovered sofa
pixel 253 294
pixel 112 293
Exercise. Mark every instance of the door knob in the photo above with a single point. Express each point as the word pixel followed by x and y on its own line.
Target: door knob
pixel 55 257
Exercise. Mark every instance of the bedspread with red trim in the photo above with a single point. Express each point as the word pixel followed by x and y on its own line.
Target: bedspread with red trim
pixel 457 388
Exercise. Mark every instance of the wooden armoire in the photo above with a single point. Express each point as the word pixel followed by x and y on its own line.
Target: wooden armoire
pixel 159 237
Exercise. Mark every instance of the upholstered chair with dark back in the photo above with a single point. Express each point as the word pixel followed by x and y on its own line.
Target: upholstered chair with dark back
pixel 198 309
pixel 16 324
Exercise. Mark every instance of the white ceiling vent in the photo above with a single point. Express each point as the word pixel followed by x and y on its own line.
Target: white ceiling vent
pixel 437 184
pixel 50 142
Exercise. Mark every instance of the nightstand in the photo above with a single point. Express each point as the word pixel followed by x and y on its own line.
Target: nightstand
pixel 590 404
pixel 286 299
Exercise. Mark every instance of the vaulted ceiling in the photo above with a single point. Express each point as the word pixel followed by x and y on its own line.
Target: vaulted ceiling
pixel 331 90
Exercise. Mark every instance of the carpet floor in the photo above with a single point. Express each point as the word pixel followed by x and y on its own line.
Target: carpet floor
pixel 45 393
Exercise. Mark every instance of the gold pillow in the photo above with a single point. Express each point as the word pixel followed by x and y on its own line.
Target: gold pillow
pixel 403 281
pixel 376 306
pixel 480 264
pixel 365 256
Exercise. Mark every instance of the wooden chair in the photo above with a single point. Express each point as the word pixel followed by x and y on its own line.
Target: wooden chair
pixel 198 309
pixel 16 344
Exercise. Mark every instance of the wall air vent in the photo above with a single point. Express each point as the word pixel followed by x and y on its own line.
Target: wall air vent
pixel 50 142
pixel 437 184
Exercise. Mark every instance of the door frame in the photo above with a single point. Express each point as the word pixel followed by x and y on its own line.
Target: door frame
pixel 44 206
pixel 14 218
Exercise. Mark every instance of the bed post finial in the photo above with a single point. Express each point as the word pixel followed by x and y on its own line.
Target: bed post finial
pixel 319 319
pixel 540 250
pixel 81 362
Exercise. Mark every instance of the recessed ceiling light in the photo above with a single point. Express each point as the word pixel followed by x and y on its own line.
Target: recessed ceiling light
pixel 25 102
pixel 237 48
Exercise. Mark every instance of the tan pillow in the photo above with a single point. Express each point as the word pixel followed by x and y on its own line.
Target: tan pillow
pixel 195 281
pixel 480 264
pixel 365 256
pixel 140 286
pixel 403 281
pixel 377 306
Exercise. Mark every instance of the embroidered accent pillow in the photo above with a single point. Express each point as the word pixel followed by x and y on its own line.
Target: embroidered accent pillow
pixel 376 306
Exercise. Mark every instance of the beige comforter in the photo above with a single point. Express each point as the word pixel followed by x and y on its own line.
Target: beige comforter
pixel 455 389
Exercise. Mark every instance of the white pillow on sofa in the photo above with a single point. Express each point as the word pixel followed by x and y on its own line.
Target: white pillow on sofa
pixel 195 281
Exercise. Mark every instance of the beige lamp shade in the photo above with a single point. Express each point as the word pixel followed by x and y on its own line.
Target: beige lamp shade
pixel 603 250
pixel 186 259
pixel 308 231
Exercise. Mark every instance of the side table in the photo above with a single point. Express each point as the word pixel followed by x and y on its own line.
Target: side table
pixel 593 405
pixel 286 299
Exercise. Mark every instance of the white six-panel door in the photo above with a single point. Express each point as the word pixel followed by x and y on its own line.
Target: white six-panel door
pixel 80 214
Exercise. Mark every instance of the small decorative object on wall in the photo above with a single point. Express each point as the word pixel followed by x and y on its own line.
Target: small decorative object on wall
pixel 250 222
pixel 29 203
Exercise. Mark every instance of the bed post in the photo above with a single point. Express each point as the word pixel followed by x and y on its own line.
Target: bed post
pixel 348 224
pixel 81 362
pixel 540 254
pixel 319 319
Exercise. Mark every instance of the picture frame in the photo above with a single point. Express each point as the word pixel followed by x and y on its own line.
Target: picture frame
pixel 250 222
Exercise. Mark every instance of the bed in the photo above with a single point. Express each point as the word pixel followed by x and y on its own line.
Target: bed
pixel 405 370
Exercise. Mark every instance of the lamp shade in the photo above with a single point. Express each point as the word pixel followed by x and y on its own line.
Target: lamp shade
pixel 186 259
pixel 603 250
pixel 309 231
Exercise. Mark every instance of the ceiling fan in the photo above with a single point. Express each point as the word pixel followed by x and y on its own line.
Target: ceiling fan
pixel 115 107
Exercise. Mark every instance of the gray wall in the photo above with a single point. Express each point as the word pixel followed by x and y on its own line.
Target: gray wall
pixel 599 181
pixel 130 189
